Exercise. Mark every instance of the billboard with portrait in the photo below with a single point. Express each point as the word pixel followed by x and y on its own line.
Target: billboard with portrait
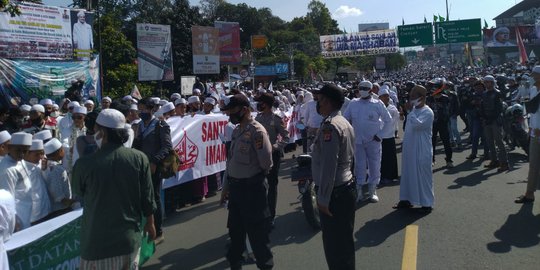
pixel 506 36
pixel 356 44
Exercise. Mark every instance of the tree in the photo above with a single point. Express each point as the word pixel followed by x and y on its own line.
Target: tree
pixel 320 17
pixel 209 8
pixel 12 7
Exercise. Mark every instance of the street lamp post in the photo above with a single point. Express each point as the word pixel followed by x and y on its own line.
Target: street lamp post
pixel 252 70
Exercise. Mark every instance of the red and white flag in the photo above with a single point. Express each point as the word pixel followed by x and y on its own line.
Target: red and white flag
pixel 523 58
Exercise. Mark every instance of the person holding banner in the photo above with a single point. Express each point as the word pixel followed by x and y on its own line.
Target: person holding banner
pixel 116 186
pixel 249 161
pixel 279 138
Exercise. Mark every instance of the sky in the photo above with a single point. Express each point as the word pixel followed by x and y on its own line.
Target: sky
pixel 349 13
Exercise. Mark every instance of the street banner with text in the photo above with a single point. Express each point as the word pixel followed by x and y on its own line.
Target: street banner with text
pixel 356 44
pixel 229 43
pixel 205 44
pixel 154 55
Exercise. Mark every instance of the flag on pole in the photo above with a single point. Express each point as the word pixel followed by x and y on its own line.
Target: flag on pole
pixel 485 24
pixel 425 20
pixel 523 59
pixel 402 21
pixel 441 18
pixel 135 92
pixel 271 87
pixel 434 18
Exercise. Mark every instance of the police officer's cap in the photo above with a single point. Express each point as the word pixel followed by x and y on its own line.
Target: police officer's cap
pixel 237 100
pixel 333 92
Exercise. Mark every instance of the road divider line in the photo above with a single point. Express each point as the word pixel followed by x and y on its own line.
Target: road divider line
pixel 410 248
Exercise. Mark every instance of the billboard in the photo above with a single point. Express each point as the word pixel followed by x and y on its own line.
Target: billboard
pixel 363 27
pixel 229 43
pixel 46 32
pixel 21 80
pixel 356 44
pixel 506 36
pixel 205 50
pixel 154 55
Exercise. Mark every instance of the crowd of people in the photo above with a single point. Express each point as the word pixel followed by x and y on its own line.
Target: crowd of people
pixel 107 157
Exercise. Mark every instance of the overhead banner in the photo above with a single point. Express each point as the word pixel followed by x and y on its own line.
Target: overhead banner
pixel 356 44
pixel 229 43
pixel 506 36
pixel 205 50
pixel 22 80
pixel 154 55
pixel 46 32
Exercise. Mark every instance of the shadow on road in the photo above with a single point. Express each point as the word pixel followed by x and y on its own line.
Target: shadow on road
pixel 188 213
pixel 284 234
pixel 520 230
pixel 195 257
pixel 473 179
pixel 375 232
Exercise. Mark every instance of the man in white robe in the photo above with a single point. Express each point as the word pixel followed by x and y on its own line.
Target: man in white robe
pixel 416 186
pixel 32 163
pixel 7 224
pixel 82 35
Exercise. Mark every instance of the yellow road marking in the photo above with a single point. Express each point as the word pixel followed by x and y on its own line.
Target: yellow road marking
pixel 410 248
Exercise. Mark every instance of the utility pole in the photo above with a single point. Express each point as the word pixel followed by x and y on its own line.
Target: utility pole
pixel 447 13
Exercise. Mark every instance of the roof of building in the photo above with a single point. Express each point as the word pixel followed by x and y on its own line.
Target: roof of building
pixel 521 6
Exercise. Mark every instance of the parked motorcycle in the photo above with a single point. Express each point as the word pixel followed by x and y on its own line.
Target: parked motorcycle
pixel 516 127
pixel 306 188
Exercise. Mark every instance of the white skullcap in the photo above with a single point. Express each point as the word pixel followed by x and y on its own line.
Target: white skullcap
pixel 26 107
pixel 43 135
pixel 80 109
pixel 175 95
pixel 366 84
pixel 36 145
pixel 376 84
pixel 38 108
pixel 196 91
pixel 111 118
pixel 210 101
pixel 4 137
pixel 89 102
pixel 536 70
pixel 21 138
pixel 155 100
pixel 55 106
pixel 106 98
pixel 73 104
pixel 169 106
pixel 133 107
pixel 489 78
pixel 384 91
pixel 128 97
pixel 52 146
pixel 180 101
pixel 162 102
pixel 80 14
pixel 46 101
pixel 193 99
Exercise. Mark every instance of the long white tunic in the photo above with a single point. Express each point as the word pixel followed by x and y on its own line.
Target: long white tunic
pixel 7 224
pixel 41 206
pixel 416 173
pixel 82 36
pixel 15 179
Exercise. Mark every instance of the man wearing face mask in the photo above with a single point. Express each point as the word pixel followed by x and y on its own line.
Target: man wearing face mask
pixel 416 186
pixel 333 150
pixel 115 184
pixel 368 116
pixel 249 161
pixel 154 139
pixel 279 138
pixel 39 121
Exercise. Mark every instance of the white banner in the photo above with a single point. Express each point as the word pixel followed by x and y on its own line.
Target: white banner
pixel 291 118
pixel 197 140
pixel 357 44
pixel 40 32
pixel 154 54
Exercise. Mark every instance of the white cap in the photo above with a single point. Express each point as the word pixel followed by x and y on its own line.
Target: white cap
pixel 107 98
pixel 162 102
pixel 384 90
pixel 193 99
pixel 128 97
pixel 196 91
pixel 52 146
pixel 73 104
pixel 55 106
pixel 26 107
pixel 155 100
pixel 80 14
pixel 111 118
pixel 180 101
pixel 175 95
pixel 4 136
pixel 46 101
pixel 43 135
pixel 36 145
pixel 169 106
pixel 536 70
pixel 21 138
pixel 134 107
pixel 489 78
pixel 89 102
pixel 38 108
pixel 80 109
pixel 366 84
pixel 210 101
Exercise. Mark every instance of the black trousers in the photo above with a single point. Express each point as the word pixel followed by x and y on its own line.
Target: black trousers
pixel 441 128
pixel 158 216
pixel 389 165
pixel 248 215
pixel 337 231
pixel 272 178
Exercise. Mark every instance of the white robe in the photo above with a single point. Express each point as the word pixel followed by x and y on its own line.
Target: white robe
pixel 41 206
pixel 7 224
pixel 16 179
pixel 82 36
pixel 416 174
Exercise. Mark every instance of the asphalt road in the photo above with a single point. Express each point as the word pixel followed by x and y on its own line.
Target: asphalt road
pixel 474 225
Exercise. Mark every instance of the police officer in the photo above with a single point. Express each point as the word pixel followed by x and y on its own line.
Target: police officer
pixel 440 104
pixel 333 151
pixel 274 126
pixel 249 161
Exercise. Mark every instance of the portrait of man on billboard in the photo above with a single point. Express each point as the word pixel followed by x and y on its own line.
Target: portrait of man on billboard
pixel 501 38
pixel 82 35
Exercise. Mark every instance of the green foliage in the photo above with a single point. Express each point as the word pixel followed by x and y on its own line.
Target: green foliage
pixel 12 7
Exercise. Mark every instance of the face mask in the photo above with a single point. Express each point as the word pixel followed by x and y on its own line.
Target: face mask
pixel 415 102
pixel 236 118
pixel 55 114
pixel 98 141
pixel 145 116
pixel 364 94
